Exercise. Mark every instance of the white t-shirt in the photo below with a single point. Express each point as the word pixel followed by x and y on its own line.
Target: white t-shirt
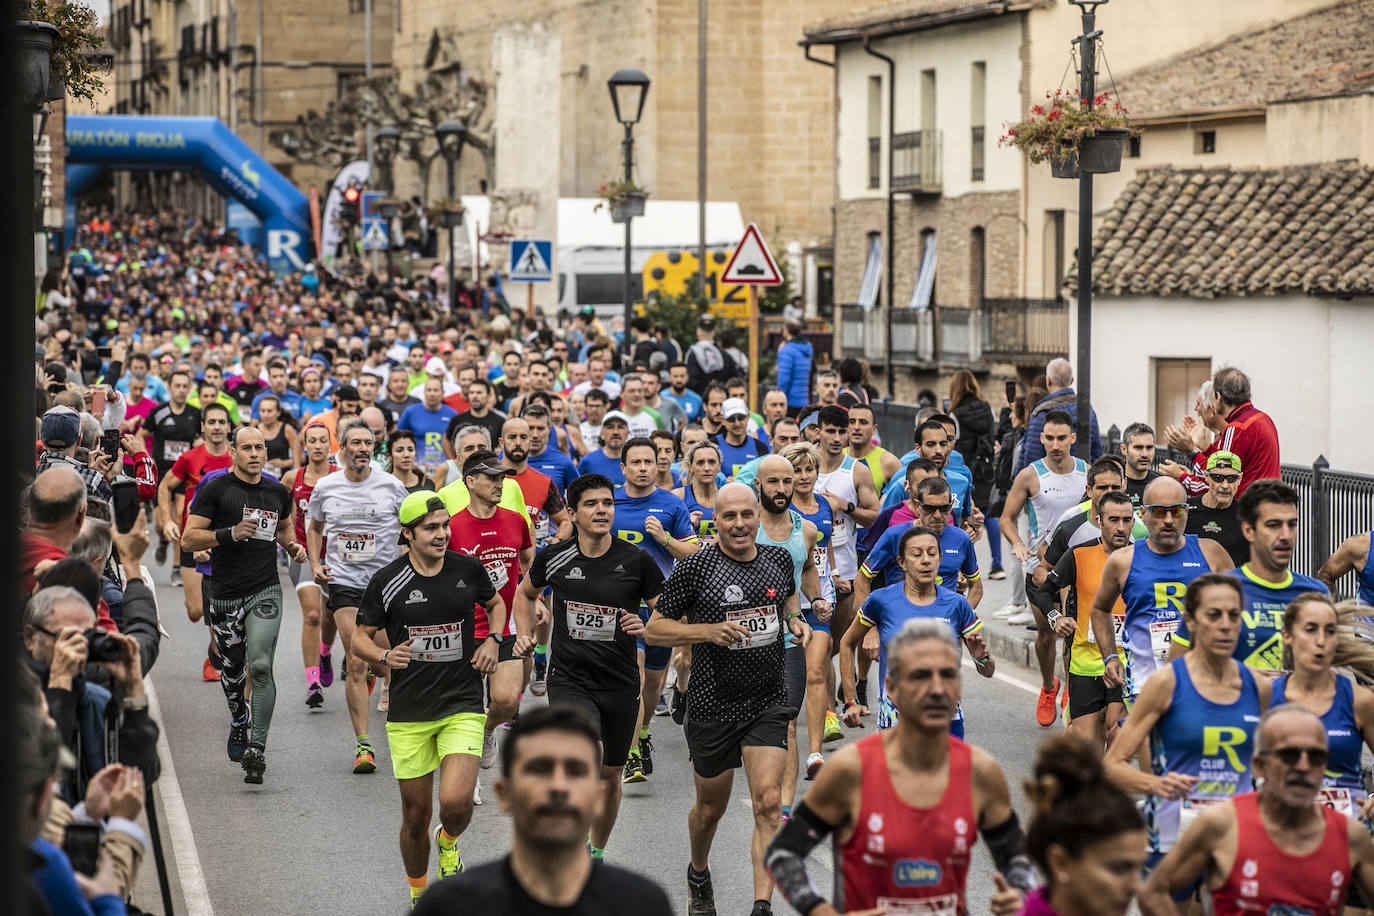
pixel 361 524
pixel 611 388
pixel 642 424
pixel 591 434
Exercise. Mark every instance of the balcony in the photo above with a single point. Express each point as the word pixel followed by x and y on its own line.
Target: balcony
pixel 976 149
pixel 875 167
pixel 917 161
pixel 1026 331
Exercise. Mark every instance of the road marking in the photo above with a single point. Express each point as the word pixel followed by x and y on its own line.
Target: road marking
pixel 183 841
pixel 1006 678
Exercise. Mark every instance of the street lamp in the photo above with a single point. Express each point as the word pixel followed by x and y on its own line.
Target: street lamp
pixel 388 140
pixel 628 91
pixel 389 209
pixel 452 136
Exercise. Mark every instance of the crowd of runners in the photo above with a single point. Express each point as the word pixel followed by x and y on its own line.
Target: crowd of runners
pixel 478 508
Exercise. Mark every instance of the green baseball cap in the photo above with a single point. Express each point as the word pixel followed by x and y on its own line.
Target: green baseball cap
pixel 419 504
pixel 1223 460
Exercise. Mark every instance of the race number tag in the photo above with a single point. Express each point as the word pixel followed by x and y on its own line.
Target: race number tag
pixel 1337 800
pixel 762 624
pixel 839 535
pixel 1118 624
pixel 541 524
pixel 592 622
pixel 944 905
pixel 266 520
pixel 441 642
pixel 496 571
pixel 1161 635
pixel 1190 808
pixel 171 451
pixel 357 548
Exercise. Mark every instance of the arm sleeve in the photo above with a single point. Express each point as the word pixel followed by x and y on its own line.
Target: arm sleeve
pixel 681 521
pixel 785 857
pixel 871 614
pixel 883 554
pixel 371 613
pixel 485 590
pixel 1064 574
pixel 969 622
pixel 1031 448
pixel 145 475
pixel 785 362
pixel 538 571
pixel 1007 845
pixel 200 505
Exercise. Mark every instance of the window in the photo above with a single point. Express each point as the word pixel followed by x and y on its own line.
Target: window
pixel 875 131
pixel 1176 384
pixel 1205 141
pixel 978 83
pixel 977 265
pixel 357 6
pixel 607 289
pixel 928 120
pixel 1133 148
pixel 1054 253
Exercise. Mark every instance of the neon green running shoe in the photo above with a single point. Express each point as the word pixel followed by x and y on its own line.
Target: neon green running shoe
pixel 450 860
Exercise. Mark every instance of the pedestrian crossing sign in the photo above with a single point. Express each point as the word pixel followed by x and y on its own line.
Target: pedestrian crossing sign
pixel 531 260
pixel 374 235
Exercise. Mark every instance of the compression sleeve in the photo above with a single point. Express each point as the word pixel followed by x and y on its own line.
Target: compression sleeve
pixel 785 858
pixel 1007 844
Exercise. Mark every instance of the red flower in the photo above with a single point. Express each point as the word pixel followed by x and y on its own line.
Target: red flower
pixel 1011 132
pixel 1037 109
pixel 1054 115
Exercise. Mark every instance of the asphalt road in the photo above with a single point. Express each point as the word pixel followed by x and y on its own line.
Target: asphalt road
pixel 314 838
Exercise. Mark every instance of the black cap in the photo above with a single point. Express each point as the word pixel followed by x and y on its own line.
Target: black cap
pixel 485 462
pixel 346 393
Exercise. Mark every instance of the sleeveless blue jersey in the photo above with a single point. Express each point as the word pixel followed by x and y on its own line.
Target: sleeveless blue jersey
pixel 824 520
pixel 706 527
pixel 1196 737
pixel 1342 736
pixel 1153 594
pixel 1365 575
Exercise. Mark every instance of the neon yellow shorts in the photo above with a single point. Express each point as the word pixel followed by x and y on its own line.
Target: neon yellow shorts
pixel 417 747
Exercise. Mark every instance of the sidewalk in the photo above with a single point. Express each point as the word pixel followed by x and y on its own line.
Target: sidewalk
pixel 1014 644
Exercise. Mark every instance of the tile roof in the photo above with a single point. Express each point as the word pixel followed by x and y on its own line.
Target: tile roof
pixel 1206 233
pixel 903 15
pixel 1325 52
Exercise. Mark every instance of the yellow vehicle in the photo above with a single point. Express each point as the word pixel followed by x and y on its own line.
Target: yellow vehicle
pixel 668 272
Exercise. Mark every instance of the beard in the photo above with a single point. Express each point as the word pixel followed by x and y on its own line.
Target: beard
pixel 771 505
pixel 517 454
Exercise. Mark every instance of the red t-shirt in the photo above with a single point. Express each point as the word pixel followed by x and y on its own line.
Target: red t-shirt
pixel 541 499
pixel 1251 436
pixel 458 402
pixel 34 550
pixel 496 542
pixel 192 466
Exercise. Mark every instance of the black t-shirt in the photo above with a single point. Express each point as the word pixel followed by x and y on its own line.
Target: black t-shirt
pixel 177 430
pixel 589 647
pixel 492 423
pixel 505 393
pixel 739 683
pixel 439 613
pixel 246 390
pixel 493 888
pixel 1221 525
pixel 1135 489
pixel 250 565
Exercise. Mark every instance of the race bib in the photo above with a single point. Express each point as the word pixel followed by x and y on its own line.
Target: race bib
pixel 1118 624
pixel 1161 636
pixel 839 536
pixel 171 451
pixel 541 525
pixel 496 571
pixel 357 548
pixel 1190 808
pixel 592 622
pixel 266 520
pixel 1338 800
pixel 761 622
pixel 441 642
pixel 944 905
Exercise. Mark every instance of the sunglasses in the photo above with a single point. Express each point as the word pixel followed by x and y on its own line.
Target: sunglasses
pixel 938 510
pixel 1223 478
pixel 1289 756
pixel 1178 509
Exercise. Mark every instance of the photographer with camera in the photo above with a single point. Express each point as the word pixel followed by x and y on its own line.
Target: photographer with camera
pixel 130 600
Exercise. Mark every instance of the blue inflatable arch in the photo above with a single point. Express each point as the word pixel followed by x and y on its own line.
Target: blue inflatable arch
pixel 208 148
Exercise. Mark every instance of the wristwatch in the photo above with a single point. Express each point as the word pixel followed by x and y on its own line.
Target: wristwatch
pixel 849 508
pixel 496 636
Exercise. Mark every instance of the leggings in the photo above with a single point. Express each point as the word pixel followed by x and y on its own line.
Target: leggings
pixel 245 630
pixel 994 534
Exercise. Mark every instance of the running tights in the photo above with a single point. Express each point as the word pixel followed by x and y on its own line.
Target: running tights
pixel 245 631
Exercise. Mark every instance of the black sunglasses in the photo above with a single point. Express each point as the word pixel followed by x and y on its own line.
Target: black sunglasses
pixel 1289 756
pixel 944 509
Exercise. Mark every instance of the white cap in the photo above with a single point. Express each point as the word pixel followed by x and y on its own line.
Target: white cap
pixel 615 415
pixel 734 407
pixel 435 366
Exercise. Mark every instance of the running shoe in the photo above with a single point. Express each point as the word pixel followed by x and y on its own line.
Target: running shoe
pixel 254 765
pixel 208 671
pixel 813 765
pixel 238 740
pixel 861 689
pixel 1044 707
pixel 539 680
pixel 1021 618
pixel 176 577
pixel 415 894
pixel 761 908
pixel 996 573
pixel 634 769
pixel 1009 610
pixel 326 670
pixel 450 860
pixel 161 556
pixel 488 751
pixel 314 696
pixel 646 754
pixel 364 759
pixel 833 732
pixel 679 705
pixel 662 709
pixel 384 701
pixel 701 897
pixel 476 793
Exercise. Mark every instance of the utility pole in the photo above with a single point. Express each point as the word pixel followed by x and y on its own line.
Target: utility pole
pixel 1087 51
pixel 367 71
pixel 702 268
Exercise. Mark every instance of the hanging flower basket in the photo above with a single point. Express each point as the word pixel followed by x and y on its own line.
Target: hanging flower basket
pixel 631 206
pixel 1073 136
pixel 1065 168
pixel 34 43
pixel 624 198
pixel 1100 151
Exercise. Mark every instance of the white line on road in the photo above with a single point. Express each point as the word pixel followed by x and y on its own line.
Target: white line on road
pixel 1006 678
pixel 183 842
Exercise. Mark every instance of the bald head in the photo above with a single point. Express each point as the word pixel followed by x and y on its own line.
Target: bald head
pixel 375 420
pixel 774 464
pixel 514 424
pixel 734 495
pixel 57 505
pixel 1281 721
pixel 1164 491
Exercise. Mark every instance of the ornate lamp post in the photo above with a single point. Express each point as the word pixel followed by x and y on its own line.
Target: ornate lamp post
pixel 452 137
pixel 628 91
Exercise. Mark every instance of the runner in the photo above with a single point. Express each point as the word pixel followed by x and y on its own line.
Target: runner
pixel 168 433
pixel 1274 851
pixel 544 456
pixel 501 541
pixel 1150 577
pixel 1199 714
pixel 599 582
pixel 543 504
pixel 241 517
pixel 905 805
pixel 428 420
pixel 1051 485
pixel 1138 449
pixel 657 521
pixel 354 528
pixel 315 649
pixel 882 464
pixel 187 470
pixel 958 560
pixel 731 602
pixel 1356 554
pixel 698 490
pixel 615 429
pixel 426 600
pixel 1214 514
pixel 400 455
pixel 737 447
pixel 470 440
pixel 664 442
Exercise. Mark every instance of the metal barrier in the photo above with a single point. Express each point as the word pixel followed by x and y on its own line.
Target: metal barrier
pixel 1334 505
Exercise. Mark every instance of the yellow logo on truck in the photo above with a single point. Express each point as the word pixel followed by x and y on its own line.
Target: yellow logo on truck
pixel 669 271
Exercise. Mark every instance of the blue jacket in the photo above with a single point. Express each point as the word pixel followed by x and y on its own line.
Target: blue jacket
pixel 794 371
pixel 1031 447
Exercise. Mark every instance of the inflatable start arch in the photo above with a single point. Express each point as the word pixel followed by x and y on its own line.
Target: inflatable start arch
pixel 208 148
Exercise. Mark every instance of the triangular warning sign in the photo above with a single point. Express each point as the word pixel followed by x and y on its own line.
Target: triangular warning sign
pixel 376 234
pixel 752 262
pixel 531 264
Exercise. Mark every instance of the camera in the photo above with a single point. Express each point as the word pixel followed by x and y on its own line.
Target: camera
pixel 102 647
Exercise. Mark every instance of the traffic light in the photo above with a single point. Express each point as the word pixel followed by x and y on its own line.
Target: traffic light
pixel 350 213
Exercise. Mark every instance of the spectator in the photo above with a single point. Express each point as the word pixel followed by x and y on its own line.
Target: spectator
pixel 728 346
pixel 61 435
pixel 671 348
pixel 56 512
pixel 976 441
pixel 793 310
pixel 853 390
pixel 646 348
pixel 1059 381
pixel 130 601
pixel 705 362
pixel 1197 437
pixel 794 366
pixel 1249 434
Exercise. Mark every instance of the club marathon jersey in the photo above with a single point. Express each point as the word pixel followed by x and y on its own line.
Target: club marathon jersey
pixel 598 462
pixel 824 520
pixel 1211 741
pixel 874 460
pixel 496 543
pixel 631 513
pixel 1153 594
pixel 1365 576
pixel 1265 879
pixel 734 457
pixel 440 614
pixel 889 609
pixel 300 497
pixel 428 427
pixel 1057 493
pixel 249 565
pixel 706 522
pixel 740 682
pixel 1080 571
pixel 840 483
pixel 956 556
pixel 1260 643
pixel 589 648
pixel 171 434
pixel 903 858
pixel 362 523
pixel 541 501
pixel 1342 781
pixel 191 467
pixel 555 465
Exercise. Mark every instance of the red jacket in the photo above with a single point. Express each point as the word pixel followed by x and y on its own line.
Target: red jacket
pixel 1251 436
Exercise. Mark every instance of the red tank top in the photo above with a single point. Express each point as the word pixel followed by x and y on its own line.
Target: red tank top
pixel 300 495
pixel 902 853
pixel 1265 879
